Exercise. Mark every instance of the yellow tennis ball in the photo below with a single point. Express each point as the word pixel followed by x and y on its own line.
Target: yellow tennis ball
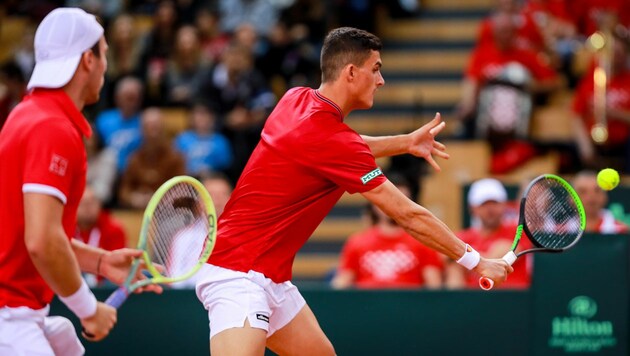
pixel 607 179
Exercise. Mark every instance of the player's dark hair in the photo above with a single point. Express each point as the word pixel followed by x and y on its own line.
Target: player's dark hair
pixel 96 49
pixel 346 45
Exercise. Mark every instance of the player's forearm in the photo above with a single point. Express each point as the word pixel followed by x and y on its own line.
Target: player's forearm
pixel 386 146
pixel 432 232
pixel 87 256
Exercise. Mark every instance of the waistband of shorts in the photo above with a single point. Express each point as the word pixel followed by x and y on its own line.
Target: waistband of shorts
pixel 23 313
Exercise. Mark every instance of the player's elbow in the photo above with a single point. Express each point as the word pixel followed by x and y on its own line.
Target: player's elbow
pixel 36 249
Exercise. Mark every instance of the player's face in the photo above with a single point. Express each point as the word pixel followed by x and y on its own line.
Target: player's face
pixel 368 80
pixel 96 77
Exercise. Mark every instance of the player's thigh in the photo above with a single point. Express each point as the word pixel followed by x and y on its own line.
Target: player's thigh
pixel 23 338
pixel 243 341
pixel 301 336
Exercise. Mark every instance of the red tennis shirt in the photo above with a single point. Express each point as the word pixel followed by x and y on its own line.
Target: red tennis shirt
pixel 306 158
pixel 41 151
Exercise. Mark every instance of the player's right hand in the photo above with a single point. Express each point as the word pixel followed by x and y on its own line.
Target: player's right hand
pixel 494 268
pixel 98 326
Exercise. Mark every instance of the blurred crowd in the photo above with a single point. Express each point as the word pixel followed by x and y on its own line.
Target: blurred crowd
pixel 527 52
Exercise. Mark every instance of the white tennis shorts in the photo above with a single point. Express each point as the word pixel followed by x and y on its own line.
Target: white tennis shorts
pixel 230 297
pixel 26 332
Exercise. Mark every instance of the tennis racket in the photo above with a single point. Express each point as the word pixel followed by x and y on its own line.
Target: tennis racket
pixel 551 215
pixel 178 234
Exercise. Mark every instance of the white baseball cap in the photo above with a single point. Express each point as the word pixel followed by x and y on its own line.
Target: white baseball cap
pixel 60 40
pixel 484 190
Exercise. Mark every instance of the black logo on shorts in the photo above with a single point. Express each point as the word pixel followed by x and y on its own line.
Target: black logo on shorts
pixel 262 317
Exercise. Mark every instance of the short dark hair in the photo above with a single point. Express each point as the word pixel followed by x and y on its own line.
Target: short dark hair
pixel 343 46
pixel 96 49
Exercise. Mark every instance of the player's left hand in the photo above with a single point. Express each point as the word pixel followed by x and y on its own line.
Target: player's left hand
pixel 115 266
pixel 423 143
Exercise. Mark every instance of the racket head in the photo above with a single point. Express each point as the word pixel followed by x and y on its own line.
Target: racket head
pixel 178 232
pixel 552 214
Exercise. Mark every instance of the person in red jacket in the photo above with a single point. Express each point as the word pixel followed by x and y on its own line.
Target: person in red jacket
pixel 384 255
pixel 97 228
pixel 492 233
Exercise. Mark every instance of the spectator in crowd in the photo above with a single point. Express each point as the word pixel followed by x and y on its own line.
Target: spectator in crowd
pixel 262 14
pixel 501 61
pixel 124 48
pixel 212 41
pixel 12 89
pixel 288 61
pixel 97 228
pixel 598 218
pixel 102 170
pixel 614 152
pixel 557 27
pixel 119 128
pixel 157 47
pixel 498 93
pixel 24 53
pixel 593 15
pixel 185 68
pixel 527 34
pixel 492 233
pixel 386 256
pixel 307 20
pixel 204 149
pixel 242 99
pixel 104 9
pixel 152 164
pixel 220 189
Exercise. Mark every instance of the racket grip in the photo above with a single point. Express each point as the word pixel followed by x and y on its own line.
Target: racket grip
pixel 117 298
pixel 486 283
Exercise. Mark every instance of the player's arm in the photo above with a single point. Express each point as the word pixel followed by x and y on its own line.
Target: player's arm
pixel 420 143
pixel 52 255
pixel 429 230
pixel 113 265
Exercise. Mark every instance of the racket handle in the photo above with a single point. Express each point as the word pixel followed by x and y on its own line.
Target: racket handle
pixel 117 298
pixel 486 283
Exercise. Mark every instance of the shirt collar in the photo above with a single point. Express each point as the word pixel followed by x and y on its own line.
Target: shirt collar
pixel 329 102
pixel 65 104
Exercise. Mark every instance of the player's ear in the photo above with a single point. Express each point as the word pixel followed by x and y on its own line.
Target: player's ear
pixel 349 72
pixel 86 59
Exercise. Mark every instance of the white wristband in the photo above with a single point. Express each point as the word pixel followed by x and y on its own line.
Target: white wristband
pixel 470 259
pixel 82 302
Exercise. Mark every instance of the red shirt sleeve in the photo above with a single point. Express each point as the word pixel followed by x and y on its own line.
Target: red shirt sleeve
pixel 348 161
pixel 53 158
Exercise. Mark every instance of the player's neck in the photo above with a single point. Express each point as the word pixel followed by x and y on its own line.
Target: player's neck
pixel 338 95
pixel 75 95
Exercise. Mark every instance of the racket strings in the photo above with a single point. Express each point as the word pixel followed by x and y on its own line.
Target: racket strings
pixel 551 214
pixel 178 230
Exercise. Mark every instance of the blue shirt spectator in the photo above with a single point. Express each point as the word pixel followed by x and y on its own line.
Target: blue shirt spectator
pixel 119 127
pixel 205 151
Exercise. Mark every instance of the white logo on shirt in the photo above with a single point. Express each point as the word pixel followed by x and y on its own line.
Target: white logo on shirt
pixel 368 177
pixel 58 165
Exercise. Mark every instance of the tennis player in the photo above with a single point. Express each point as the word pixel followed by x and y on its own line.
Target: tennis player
pixel 42 170
pixel 306 159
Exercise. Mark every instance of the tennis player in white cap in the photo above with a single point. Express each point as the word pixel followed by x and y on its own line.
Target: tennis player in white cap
pixel 42 170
